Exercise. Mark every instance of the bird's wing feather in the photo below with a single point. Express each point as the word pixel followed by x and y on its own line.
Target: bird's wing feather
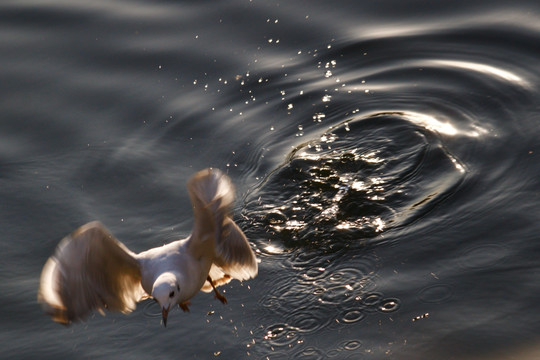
pixel 233 253
pixel 90 270
pixel 218 278
pixel 211 192
pixel 212 196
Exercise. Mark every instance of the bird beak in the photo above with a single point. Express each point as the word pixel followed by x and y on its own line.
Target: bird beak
pixel 165 313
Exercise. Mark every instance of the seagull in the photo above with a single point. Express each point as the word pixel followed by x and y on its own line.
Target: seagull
pixel 91 270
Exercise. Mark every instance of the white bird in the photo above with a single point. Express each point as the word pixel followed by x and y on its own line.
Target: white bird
pixel 91 270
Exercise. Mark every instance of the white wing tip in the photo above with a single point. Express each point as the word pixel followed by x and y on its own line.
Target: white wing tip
pixel 48 295
pixel 76 280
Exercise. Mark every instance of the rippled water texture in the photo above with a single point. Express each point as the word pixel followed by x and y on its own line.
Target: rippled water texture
pixel 385 156
pixel 360 178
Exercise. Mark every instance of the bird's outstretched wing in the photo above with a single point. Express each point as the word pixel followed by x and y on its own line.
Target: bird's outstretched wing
pixel 233 253
pixel 212 196
pixel 90 270
pixel 234 260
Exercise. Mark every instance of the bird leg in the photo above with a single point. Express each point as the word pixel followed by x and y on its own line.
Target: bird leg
pixel 184 306
pixel 218 294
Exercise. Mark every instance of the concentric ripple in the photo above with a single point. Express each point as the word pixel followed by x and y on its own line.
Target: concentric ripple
pixel 309 319
pixel 281 334
pixel 334 197
pixel 151 309
pixel 387 134
pixel 356 181
pixel 437 293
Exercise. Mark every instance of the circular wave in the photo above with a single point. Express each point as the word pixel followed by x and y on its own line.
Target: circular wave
pixel 438 293
pixel 281 335
pixel 151 309
pixel 309 353
pixel 354 182
pixel 383 132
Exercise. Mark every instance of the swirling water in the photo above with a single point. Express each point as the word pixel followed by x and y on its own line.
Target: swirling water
pixel 385 156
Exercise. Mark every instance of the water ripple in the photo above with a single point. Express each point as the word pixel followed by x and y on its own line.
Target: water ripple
pixel 309 353
pixel 389 305
pixel 437 293
pixel 356 181
pixel 405 130
pixel 309 319
pixel 351 316
pixel 151 309
pixel 316 298
pixel 281 335
pixel 482 256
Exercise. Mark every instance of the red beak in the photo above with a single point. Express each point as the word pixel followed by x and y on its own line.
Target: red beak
pixel 165 313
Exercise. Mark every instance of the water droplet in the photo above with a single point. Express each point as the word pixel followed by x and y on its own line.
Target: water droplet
pixel 281 335
pixel 318 117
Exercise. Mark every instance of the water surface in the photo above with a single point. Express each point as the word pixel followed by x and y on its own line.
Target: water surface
pixel 385 156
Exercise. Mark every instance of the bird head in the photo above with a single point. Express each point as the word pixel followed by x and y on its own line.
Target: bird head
pixel 166 291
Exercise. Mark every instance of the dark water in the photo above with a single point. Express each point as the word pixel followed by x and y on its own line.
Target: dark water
pixel 385 155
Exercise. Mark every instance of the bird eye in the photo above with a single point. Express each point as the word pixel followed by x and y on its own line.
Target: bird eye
pixel 177 287
pixel 171 294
